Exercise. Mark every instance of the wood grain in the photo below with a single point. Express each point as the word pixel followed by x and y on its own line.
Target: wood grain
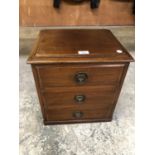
pixel 62 46
pixel 67 114
pixel 42 13
pixel 57 83
pixel 58 97
pixel 53 76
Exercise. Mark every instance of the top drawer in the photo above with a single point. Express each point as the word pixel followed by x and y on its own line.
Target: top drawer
pixel 79 75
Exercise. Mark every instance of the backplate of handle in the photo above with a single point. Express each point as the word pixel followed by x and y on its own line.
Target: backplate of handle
pixel 78 114
pixel 81 78
pixel 79 98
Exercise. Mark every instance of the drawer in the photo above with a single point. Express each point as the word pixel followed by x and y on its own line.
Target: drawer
pixel 80 113
pixel 79 75
pixel 90 96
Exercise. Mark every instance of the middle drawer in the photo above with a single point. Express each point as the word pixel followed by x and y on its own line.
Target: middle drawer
pixel 90 96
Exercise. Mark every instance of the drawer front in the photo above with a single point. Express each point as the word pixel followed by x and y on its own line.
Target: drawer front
pixel 80 113
pixel 90 96
pixel 76 75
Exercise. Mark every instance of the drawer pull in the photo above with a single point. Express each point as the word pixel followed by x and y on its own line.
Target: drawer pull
pixel 81 78
pixel 80 98
pixel 78 114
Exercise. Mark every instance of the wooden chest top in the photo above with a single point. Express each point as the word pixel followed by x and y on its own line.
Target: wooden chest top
pixel 80 45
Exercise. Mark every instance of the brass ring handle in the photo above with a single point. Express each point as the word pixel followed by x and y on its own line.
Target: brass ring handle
pixel 78 114
pixel 81 78
pixel 80 98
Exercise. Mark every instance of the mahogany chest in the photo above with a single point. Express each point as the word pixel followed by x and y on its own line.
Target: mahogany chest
pixel 78 74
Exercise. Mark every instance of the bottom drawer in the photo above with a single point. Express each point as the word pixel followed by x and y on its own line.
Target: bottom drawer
pixel 65 114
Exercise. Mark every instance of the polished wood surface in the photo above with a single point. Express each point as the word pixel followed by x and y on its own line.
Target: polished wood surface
pixel 78 92
pixel 42 13
pixel 62 46
pixel 61 97
pixel 65 75
pixel 67 114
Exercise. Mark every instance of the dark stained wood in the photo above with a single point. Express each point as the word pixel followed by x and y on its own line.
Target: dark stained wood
pixel 92 120
pixel 56 83
pixel 36 78
pixel 62 46
pixel 58 97
pixel 68 114
pixel 42 13
pixel 52 75
pixel 119 88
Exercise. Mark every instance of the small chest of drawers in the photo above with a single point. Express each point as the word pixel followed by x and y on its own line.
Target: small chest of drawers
pixel 78 74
